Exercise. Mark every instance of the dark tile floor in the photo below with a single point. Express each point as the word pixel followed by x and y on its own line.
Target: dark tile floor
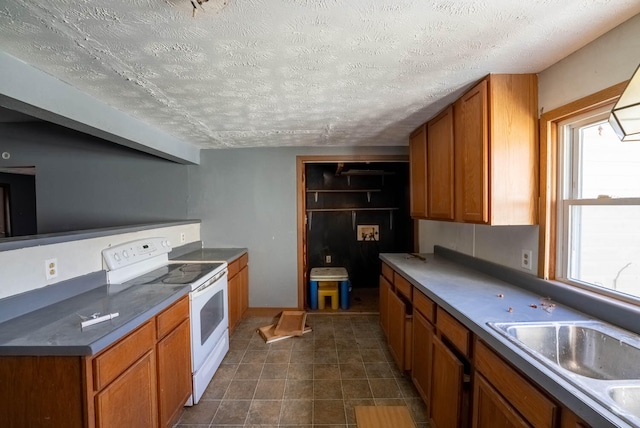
pixel 310 381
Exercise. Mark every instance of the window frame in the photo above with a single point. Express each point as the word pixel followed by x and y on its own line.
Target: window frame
pixel 550 200
pixel 570 188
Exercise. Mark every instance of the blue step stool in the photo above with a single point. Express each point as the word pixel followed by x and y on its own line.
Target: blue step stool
pixel 338 275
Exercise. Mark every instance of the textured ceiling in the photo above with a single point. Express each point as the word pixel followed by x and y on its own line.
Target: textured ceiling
pixel 294 72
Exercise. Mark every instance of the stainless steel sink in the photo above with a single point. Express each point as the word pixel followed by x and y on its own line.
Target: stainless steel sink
pixel 627 397
pixel 601 360
pixel 592 349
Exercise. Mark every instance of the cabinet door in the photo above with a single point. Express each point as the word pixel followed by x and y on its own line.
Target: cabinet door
pixel 440 184
pixel 130 400
pixel 396 328
pixel 385 290
pixel 471 139
pixel 490 410
pixel 422 356
pixel 174 373
pixel 534 406
pixel 234 296
pixel 418 172
pixel 446 388
pixel 244 292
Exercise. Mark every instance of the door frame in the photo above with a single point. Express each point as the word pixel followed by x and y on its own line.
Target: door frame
pixel 301 202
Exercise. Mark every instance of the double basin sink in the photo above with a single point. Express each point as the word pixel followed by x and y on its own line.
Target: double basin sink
pixel 601 360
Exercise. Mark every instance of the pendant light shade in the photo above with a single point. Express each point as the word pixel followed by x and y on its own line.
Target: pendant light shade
pixel 625 116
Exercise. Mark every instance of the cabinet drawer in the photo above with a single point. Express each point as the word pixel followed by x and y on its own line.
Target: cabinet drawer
pixel 454 331
pixel 244 260
pixel 108 365
pixel 171 317
pixel 424 305
pixel 234 268
pixel 387 272
pixel 532 404
pixel 402 285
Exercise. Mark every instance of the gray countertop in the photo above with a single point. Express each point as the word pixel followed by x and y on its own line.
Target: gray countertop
pixel 212 255
pixel 55 329
pixel 473 298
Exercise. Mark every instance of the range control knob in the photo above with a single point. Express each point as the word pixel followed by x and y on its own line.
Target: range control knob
pixel 116 257
pixel 167 243
pixel 125 253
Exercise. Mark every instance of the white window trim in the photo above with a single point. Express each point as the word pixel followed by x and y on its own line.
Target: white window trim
pixel 565 148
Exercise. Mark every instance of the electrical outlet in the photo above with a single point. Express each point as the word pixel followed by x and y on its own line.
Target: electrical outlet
pixel 51 268
pixel 327 259
pixel 183 237
pixel 526 261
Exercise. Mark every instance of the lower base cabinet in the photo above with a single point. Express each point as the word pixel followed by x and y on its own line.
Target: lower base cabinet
pixel 423 332
pixel 519 395
pixel 238 290
pixel 491 410
pixel 385 290
pixel 136 385
pixel 141 381
pixel 400 331
pixel 463 382
pixel 449 398
pixel 174 373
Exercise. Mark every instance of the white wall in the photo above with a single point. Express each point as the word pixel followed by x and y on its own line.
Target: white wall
pixel 247 198
pixel 24 269
pixel 606 61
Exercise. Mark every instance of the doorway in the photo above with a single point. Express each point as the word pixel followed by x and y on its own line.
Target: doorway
pixel 349 211
pixel 18 199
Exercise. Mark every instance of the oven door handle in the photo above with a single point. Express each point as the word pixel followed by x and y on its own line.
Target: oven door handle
pixel 201 289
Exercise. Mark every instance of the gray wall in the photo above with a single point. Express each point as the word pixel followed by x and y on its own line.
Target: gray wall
pixel 247 198
pixel 84 182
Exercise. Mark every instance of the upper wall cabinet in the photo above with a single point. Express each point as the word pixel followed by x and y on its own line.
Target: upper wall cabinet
pixel 479 157
pixel 496 157
pixel 440 182
pixel 418 172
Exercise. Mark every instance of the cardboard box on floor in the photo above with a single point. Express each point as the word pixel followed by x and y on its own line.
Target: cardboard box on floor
pixel 287 324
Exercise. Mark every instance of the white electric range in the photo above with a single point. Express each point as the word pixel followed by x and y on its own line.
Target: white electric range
pixel 145 261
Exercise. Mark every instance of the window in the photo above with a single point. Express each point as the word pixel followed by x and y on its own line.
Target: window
pixel 598 206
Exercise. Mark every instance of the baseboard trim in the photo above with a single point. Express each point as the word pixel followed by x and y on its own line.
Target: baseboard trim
pixel 265 312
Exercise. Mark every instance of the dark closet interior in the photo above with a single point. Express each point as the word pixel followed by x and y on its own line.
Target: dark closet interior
pixel 355 211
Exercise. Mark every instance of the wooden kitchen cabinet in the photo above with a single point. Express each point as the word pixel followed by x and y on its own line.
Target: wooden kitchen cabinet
pixel 130 400
pixel 418 172
pixel 174 362
pixel 451 372
pixel 396 316
pixel 130 383
pixel 385 290
pixel 448 409
pixel 516 394
pixel 477 161
pixel 491 410
pixel 423 332
pixel 495 143
pixel 238 290
pixel 424 312
pixel 397 329
pixel 440 166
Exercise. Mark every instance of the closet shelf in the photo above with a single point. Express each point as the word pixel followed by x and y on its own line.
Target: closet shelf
pixel 353 211
pixel 342 190
pixel 367 191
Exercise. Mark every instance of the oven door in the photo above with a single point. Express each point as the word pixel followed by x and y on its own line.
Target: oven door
pixel 209 319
